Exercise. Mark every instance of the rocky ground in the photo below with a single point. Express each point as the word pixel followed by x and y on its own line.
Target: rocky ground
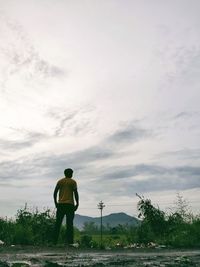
pixel 38 257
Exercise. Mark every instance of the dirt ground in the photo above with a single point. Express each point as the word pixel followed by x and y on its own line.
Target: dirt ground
pixel 53 257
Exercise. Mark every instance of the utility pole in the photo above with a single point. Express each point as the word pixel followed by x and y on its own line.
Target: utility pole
pixel 100 207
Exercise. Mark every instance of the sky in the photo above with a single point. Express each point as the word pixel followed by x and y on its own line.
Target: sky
pixel 109 88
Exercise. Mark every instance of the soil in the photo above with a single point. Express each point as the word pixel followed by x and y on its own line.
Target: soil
pixel 55 257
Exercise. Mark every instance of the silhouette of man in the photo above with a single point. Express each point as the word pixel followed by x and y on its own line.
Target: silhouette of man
pixel 67 188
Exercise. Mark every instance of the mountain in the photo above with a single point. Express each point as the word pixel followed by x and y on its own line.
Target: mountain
pixel 112 219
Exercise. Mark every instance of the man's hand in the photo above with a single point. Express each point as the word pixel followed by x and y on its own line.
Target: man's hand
pixel 55 195
pixel 75 207
pixel 76 199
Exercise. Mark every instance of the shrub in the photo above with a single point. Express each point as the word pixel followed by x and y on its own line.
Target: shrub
pixel 86 241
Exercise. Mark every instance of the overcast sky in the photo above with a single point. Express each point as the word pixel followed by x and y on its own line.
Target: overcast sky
pixel 110 88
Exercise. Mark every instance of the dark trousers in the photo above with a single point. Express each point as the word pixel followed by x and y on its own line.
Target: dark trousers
pixel 62 210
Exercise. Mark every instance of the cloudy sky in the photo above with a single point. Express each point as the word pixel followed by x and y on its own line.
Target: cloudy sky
pixel 109 88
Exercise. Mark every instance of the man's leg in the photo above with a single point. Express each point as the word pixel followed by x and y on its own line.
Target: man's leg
pixel 59 218
pixel 69 224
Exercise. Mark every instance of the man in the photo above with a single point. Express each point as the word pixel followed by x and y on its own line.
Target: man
pixel 67 188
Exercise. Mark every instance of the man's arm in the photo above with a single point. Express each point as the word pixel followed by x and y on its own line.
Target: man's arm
pixel 76 198
pixel 55 195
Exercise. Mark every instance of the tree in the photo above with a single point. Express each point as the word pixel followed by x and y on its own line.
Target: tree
pixel 151 215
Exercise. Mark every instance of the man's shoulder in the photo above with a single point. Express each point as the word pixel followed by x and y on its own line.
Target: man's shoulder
pixel 73 180
pixel 64 180
pixel 61 180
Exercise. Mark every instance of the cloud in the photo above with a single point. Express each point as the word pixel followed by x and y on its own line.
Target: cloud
pixel 183 115
pixel 15 170
pixel 127 134
pixel 149 179
pixel 188 153
pixel 29 139
pixel 163 184
pixel 85 160
pixel 51 165
pixel 86 164
pixel 74 121
pixel 115 180
pixel 122 181
pixel 21 57
pixel 120 172
pixel 62 117
pixel 81 159
pixel 151 170
pixel 181 66
pixel 14 145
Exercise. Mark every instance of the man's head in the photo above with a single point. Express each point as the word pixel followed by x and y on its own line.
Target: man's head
pixel 68 173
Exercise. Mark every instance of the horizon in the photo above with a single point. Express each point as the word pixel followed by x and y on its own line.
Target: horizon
pixel 107 88
pixel 32 209
pixel 168 210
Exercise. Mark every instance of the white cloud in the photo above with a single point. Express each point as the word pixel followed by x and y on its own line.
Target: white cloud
pixel 95 85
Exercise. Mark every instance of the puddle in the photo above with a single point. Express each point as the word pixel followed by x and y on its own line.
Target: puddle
pixel 99 259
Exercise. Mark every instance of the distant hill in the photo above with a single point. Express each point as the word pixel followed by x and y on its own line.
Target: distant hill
pixel 113 220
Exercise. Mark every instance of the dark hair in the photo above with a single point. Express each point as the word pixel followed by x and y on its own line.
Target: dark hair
pixel 68 173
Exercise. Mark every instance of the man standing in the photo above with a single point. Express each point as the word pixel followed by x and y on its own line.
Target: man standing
pixel 67 188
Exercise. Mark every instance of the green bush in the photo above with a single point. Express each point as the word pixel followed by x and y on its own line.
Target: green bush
pixel 23 235
pixel 144 233
pixel 186 235
pixel 7 228
pixel 86 241
pixel 179 229
pixel 29 228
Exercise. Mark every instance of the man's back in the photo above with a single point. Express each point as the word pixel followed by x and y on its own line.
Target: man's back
pixel 66 188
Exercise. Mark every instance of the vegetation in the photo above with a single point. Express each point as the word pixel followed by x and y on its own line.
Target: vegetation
pixel 29 228
pixel 179 228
